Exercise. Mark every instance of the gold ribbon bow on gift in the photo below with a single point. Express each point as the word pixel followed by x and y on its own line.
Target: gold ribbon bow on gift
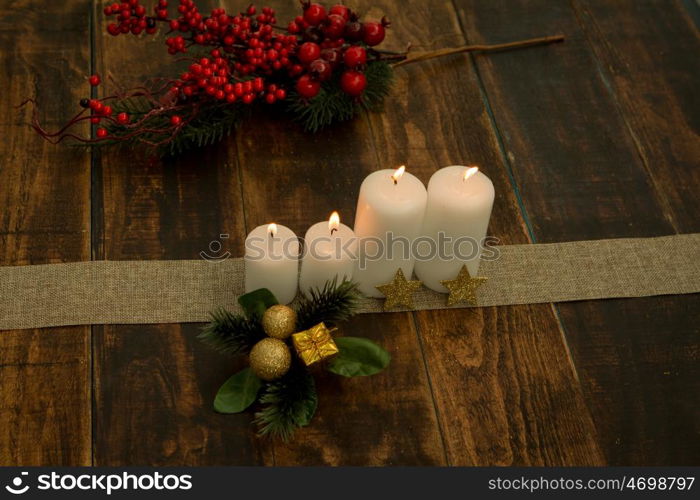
pixel 314 344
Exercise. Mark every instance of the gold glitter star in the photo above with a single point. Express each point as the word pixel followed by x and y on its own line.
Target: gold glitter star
pixel 399 292
pixel 463 287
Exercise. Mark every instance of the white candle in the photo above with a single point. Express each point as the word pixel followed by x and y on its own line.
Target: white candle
pixel 272 261
pixel 459 206
pixel 390 208
pixel 330 253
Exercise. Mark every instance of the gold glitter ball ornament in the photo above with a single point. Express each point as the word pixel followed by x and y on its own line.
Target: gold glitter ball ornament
pixel 270 359
pixel 279 321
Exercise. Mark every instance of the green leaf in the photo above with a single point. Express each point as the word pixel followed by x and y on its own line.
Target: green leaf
pixel 358 357
pixel 255 303
pixel 238 392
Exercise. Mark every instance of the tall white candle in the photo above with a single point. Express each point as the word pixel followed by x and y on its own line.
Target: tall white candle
pixel 389 217
pixel 330 253
pixel 459 206
pixel 272 261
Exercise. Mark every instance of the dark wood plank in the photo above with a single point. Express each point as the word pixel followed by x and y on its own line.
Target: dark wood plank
pixel 648 53
pixel 298 179
pixel 581 175
pixel 506 389
pixel 154 385
pixel 44 195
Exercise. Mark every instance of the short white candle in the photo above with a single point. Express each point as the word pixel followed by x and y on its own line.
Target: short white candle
pixel 330 253
pixel 390 202
pixel 459 206
pixel 272 261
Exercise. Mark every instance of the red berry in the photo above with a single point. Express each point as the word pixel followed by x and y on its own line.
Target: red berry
pixel 94 120
pixel 309 52
pixel 96 105
pixel 354 30
pixel 94 80
pixel 332 56
pixel 355 56
pixel 113 29
pixel 353 83
pixel 101 133
pixel 308 87
pixel 280 94
pixel 270 98
pixel 123 118
pixel 321 69
pixel 314 14
pixel 335 26
pixel 373 34
pixel 107 111
pixel 340 10
pixel 293 27
pixel 175 120
pixel 258 84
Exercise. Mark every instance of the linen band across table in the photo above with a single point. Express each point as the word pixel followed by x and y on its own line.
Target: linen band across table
pixel 184 291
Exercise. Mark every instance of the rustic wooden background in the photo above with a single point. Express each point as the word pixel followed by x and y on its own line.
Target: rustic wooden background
pixel 593 138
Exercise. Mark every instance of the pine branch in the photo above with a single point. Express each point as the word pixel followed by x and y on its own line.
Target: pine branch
pixel 209 127
pixel 288 403
pixel 380 77
pixel 203 126
pixel 333 105
pixel 332 304
pixel 231 333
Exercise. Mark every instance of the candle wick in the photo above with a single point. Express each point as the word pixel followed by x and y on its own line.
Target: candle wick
pixel 395 181
pixel 333 230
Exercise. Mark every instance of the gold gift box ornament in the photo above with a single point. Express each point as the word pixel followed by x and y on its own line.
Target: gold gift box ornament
pixel 315 344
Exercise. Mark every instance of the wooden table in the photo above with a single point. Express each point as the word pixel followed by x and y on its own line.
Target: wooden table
pixel 593 138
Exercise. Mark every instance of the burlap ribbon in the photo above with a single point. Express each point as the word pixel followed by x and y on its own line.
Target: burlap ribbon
pixel 113 292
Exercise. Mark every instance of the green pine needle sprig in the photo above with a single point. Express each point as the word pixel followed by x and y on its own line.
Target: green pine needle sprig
pixel 332 304
pixel 209 125
pixel 231 333
pixel 287 403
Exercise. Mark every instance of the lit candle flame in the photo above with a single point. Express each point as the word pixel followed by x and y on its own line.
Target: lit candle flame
pixel 470 172
pixel 272 229
pixel 399 172
pixel 334 222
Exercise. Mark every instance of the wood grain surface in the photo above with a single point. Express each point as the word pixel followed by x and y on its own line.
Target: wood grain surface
pixel 593 138
pixel 45 415
pixel 154 385
pixel 592 179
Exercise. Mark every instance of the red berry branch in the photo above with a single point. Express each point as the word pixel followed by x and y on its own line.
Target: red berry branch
pixel 323 64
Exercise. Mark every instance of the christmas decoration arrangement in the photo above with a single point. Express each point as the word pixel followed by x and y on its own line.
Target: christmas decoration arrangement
pixel 322 67
pixel 285 346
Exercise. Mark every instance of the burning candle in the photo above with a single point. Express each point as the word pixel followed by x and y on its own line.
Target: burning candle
pixel 272 261
pixel 330 253
pixel 389 217
pixel 459 206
